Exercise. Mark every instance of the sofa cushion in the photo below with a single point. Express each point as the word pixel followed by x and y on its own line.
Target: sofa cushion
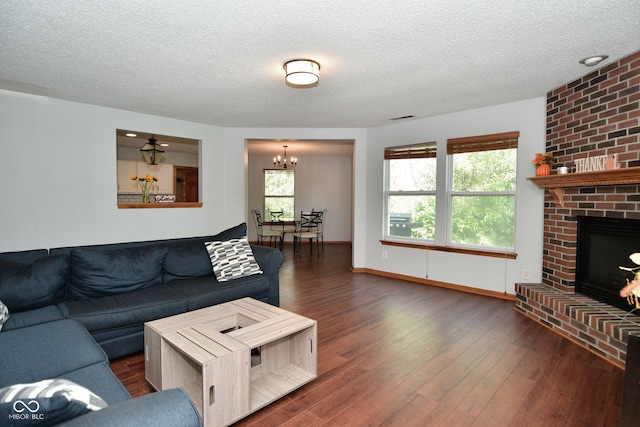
pixel 36 316
pixel 190 258
pixel 168 408
pixel 232 259
pixel 98 272
pixel 205 291
pixel 51 401
pixel 23 257
pixel 100 379
pixel 122 310
pixel 236 232
pixel 41 283
pixel 47 350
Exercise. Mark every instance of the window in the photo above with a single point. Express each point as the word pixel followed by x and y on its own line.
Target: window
pixel 279 193
pixel 411 191
pixel 482 190
pixel 476 200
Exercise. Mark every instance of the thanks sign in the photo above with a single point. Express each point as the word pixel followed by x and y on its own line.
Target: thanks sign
pixel 597 163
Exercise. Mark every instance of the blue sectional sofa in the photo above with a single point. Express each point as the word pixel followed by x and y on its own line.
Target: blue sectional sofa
pixel 71 309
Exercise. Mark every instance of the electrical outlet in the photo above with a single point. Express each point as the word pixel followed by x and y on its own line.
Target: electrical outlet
pixel 525 273
pixel 384 254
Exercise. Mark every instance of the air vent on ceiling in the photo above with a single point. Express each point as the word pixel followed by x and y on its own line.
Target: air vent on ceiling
pixel 402 117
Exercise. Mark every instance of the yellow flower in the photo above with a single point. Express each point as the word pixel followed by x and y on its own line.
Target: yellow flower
pixel 134 177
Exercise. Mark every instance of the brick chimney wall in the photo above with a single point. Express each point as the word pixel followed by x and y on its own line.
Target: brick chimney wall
pixel 595 115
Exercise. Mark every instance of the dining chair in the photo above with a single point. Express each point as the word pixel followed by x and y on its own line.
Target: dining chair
pixel 319 220
pixel 277 216
pixel 264 233
pixel 306 228
pixel 277 220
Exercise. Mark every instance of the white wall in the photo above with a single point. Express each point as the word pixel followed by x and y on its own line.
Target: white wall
pixel 58 175
pixel 322 182
pixel 492 274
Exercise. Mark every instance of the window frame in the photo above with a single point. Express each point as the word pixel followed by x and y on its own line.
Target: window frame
pixel 411 151
pixel 481 143
pixel 444 200
pixel 267 216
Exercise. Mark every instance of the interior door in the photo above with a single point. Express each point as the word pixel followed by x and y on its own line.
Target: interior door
pixel 186 184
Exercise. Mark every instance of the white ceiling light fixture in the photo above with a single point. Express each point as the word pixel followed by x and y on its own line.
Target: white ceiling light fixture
pixel 302 73
pixel 593 60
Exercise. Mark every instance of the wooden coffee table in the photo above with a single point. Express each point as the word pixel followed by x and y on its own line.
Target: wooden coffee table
pixel 232 358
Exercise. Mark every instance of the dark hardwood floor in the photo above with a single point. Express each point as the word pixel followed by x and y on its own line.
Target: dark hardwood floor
pixel 396 353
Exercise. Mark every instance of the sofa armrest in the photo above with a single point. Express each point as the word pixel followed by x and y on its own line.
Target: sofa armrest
pixel 169 408
pixel 270 260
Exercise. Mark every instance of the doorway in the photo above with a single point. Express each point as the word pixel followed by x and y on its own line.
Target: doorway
pixel 186 183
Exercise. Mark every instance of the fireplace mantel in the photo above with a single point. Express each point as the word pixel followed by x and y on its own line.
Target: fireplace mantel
pixel 557 183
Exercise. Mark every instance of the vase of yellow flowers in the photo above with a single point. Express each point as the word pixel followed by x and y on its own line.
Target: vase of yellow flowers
pixel 543 162
pixel 145 183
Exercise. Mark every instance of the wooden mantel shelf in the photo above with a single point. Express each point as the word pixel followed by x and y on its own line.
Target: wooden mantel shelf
pixel 557 183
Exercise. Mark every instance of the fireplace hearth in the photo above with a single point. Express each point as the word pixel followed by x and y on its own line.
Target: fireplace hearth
pixel 604 244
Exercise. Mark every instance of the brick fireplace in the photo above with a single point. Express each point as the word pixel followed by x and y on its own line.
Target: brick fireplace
pixel 598 114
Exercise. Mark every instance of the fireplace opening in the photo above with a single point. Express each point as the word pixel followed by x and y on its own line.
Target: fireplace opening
pixel 603 245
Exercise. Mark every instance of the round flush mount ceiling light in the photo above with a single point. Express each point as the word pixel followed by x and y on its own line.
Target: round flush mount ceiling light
pixel 593 60
pixel 302 72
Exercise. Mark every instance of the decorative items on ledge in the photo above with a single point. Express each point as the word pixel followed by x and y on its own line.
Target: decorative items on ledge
pixel 159 205
pixel 543 162
pixel 145 183
pixel 556 183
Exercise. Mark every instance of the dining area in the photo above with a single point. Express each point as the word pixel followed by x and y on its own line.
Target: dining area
pixel 273 227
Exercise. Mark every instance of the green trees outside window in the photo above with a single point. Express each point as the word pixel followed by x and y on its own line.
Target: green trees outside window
pixel 411 191
pixel 279 193
pixel 479 192
pixel 483 198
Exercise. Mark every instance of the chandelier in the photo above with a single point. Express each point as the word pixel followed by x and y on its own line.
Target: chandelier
pixel 282 161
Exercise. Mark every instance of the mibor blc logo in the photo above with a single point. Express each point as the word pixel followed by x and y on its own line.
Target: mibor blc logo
pixel 26 410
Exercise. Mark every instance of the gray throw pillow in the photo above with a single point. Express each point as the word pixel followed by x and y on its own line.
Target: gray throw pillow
pixel 46 403
pixel 232 259
pixel 4 314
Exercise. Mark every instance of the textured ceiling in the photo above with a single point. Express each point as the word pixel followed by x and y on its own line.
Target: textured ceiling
pixel 220 62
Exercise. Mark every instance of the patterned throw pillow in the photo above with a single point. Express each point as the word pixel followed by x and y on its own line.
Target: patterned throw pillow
pixel 232 259
pixel 47 402
pixel 4 314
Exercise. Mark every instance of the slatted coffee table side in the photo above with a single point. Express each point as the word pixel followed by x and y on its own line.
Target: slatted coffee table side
pixel 288 356
pixel 214 369
pixel 153 331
